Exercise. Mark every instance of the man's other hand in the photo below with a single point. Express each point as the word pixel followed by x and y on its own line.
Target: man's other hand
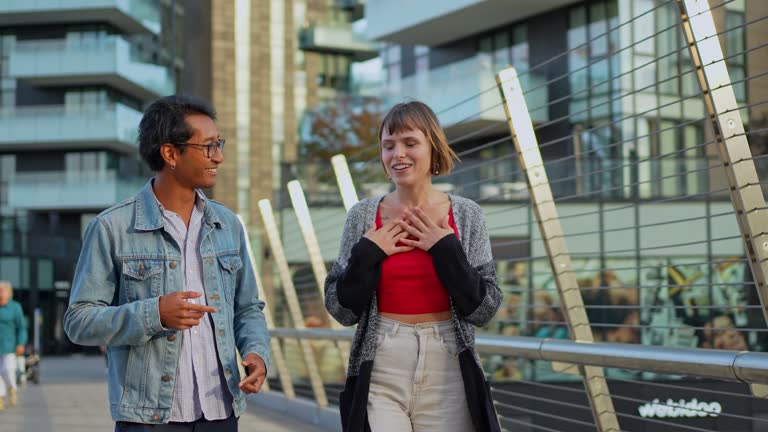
pixel 257 373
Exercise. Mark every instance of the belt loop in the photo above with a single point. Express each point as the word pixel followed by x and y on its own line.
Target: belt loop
pixel 394 329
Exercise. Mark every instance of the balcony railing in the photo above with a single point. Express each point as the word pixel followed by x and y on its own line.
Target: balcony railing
pixel 131 16
pixel 109 60
pixel 70 189
pixel 336 38
pixel 112 126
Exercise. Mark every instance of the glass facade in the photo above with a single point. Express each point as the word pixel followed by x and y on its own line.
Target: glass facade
pixel 633 133
pixel 661 263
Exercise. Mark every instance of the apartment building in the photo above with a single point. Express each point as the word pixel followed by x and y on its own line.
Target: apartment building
pixel 74 79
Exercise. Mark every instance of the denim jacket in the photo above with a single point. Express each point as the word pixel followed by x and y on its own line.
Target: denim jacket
pixel 127 262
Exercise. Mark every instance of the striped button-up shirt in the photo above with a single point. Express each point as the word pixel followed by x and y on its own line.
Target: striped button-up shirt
pixel 200 389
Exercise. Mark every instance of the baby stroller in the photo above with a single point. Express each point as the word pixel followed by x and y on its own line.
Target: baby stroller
pixel 30 370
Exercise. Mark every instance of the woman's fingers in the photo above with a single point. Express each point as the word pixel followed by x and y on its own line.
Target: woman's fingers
pixel 423 217
pixel 416 219
pixel 393 227
pixel 410 229
pixel 400 249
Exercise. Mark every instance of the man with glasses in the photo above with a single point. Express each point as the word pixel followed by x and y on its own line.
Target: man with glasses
pixel 165 283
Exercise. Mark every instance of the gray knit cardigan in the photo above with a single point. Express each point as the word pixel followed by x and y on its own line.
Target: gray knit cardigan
pixel 475 242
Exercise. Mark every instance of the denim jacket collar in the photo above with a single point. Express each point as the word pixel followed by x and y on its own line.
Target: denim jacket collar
pixel 149 217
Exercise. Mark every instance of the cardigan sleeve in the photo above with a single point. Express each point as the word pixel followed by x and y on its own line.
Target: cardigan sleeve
pixel 356 272
pixel 469 277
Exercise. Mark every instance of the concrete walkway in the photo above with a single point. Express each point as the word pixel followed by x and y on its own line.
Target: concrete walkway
pixel 72 397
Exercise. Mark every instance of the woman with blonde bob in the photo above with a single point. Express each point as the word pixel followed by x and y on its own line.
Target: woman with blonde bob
pixel 415 273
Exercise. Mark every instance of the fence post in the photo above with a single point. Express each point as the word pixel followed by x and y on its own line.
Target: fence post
pixel 300 207
pixel 277 352
pixel 292 299
pixel 344 179
pixel 731 141
pixel 552 235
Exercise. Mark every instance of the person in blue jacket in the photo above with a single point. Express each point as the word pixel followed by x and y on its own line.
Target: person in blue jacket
pixel 13 337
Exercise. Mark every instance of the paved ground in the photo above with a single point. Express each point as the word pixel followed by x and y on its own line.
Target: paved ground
pixel 72 397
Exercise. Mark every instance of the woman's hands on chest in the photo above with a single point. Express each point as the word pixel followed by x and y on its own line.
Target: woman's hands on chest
pixel 424 230
pixel 388 236
pixel 415 227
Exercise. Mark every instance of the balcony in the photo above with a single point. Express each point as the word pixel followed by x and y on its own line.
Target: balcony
pixel 464 95
pixel 130 16
pixel 107 126
pixel 70 190
pixel 108 61
pixel 336 39
pixel 438 22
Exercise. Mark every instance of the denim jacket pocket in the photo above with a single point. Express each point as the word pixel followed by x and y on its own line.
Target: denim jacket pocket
pixel 142 278
pixel 230 264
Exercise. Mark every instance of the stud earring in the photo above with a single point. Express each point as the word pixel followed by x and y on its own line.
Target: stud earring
pixel 173 167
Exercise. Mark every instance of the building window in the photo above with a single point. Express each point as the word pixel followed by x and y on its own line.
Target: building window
pixel 593 67
pixel 392 63
pixel 506 47
pixel 734 49
pixel 7 171
pixel 334 72
pixel 7 166
pixel 667 159
pixel 592 43
pixel 82 162
pixel 421 54
pixel 77 101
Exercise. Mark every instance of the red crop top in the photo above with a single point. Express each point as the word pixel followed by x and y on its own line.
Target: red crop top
pixel 409 284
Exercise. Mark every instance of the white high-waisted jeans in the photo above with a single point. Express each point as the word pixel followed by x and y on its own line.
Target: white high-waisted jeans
pixel 416 383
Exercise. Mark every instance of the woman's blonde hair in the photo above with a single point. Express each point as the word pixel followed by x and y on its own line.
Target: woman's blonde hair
pixel 415 115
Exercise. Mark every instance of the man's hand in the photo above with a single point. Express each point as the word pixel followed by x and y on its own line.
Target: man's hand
pixel 19 350
pixel 257 373
pixel 178 314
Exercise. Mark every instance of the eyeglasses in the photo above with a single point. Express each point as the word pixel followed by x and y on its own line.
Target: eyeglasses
pixel 209 149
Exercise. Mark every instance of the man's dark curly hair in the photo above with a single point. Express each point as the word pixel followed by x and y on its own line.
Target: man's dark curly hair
pixel 163 122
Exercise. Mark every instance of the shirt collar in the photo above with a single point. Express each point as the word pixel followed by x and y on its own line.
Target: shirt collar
pixel 149 211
